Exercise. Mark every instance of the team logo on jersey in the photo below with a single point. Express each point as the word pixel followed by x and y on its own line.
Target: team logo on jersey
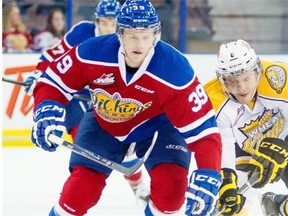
pixel 105 79
pixel 269 124
pixel 276 77
pixel 114 108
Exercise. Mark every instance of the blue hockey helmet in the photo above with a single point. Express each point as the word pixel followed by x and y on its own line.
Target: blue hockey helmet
pixel 107 8
pixel 138 15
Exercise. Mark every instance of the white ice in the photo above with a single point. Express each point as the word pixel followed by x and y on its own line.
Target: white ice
pixel 33 178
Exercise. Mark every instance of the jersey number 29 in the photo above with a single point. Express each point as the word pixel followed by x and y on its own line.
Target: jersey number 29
pixel 64 65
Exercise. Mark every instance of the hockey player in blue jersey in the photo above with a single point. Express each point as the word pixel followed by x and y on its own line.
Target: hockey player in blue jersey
pixel 138 85
pixel 105 14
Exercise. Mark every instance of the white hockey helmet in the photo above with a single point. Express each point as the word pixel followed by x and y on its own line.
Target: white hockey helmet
pixel 236 58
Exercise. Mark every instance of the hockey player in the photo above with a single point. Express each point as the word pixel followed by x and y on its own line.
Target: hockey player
pixel 137 83
pixel 105 14
pixel 251 102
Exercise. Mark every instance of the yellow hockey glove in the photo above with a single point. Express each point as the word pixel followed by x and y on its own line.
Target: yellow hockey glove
pixel 229 199
pixel 270 158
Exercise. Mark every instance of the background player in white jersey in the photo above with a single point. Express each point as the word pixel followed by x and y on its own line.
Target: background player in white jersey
pixel 105 15
pixel 138 85
pixel 251 101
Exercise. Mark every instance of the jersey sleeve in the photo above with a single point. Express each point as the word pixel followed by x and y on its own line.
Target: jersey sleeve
pixel 228 141
pixel 274 80
pixel 61 79
pixel 76 35
pixel 191 111
pixel 219 100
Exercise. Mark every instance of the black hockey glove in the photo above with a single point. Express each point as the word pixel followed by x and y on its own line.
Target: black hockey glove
pixel 229 199
pixel 270 158
pixel 284 176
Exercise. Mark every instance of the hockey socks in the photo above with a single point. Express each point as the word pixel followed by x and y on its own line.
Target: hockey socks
pixel 81 191
pixel 168 187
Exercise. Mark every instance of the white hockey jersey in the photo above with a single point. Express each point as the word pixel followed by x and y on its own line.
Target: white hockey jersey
pixel 243 126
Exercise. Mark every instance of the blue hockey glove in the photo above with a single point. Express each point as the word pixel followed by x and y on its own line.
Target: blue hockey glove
pixel 202 193
pixel 48 118
pixel 31 82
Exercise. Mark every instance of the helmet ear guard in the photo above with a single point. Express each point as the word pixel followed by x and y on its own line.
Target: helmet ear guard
pixel 138 15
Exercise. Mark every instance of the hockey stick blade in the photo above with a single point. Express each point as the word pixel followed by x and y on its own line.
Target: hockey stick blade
pixel 242 189
pixel 14 82
pixel 101 160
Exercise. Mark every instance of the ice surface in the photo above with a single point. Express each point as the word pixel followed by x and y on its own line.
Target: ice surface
pixel 33 178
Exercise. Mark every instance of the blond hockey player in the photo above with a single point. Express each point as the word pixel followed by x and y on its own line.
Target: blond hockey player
pixel 250 97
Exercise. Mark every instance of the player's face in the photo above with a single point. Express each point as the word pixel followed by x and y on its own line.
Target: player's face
pixel 106 25
pixel 242 87
pixel 137 44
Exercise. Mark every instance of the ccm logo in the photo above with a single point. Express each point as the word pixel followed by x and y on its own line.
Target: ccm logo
pixel 208 179
pixel 144 89
pixel 49 108
pixel 275 148
pixel 176 147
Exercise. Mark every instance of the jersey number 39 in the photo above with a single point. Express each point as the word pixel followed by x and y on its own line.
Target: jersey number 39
pixel 198 97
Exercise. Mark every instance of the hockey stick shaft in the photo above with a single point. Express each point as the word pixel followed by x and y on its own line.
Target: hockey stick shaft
pixel 242 189
pixel 102 160
pixel 81 97
pixel 14 82
pixel 77 96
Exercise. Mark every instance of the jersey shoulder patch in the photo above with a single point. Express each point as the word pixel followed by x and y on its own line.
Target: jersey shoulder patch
pixel 273 82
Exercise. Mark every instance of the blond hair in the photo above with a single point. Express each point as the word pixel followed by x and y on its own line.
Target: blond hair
pixel 6 25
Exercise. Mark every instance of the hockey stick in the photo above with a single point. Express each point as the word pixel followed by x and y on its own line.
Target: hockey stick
pixel 14 82
pixel 101 160
pixel 81 97
pixel 242 189
pixel 77 96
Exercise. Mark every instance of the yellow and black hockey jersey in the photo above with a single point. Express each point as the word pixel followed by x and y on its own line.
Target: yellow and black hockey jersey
pixel 243 126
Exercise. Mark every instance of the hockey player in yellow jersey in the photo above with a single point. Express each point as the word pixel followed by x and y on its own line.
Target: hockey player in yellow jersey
pixel 250 97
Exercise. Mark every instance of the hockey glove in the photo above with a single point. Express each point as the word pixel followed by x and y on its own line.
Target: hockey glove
pixel 229 199
pixel 48 118
pixel 202 193
pixel 270 158
pixel 31 82
pixel 284 176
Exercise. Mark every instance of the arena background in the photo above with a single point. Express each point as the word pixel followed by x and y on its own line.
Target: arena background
pixel 192 26
pixel 32 178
